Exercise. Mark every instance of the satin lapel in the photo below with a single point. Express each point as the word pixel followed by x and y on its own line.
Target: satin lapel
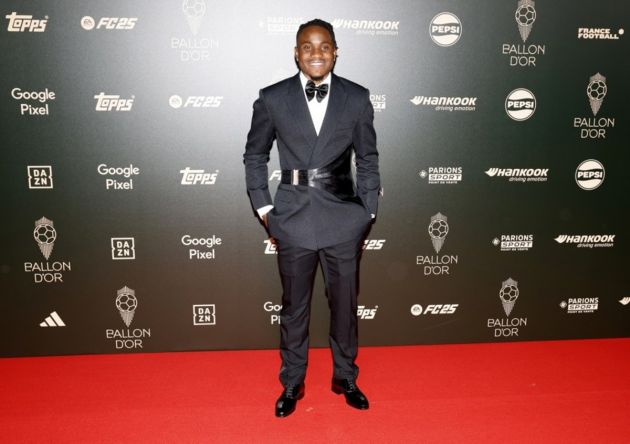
pixel 299 111
pixel 334 110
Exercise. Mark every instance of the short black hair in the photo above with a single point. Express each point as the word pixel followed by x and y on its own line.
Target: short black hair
pixel 317 22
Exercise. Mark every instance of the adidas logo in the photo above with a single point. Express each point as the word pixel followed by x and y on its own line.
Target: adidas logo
pixel 625 301
pixel 53 321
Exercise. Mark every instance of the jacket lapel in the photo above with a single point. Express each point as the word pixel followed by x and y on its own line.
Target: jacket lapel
pixel 299 111
pixel 334 110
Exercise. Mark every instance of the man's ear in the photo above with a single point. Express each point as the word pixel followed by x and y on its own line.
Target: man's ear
pixel 295 53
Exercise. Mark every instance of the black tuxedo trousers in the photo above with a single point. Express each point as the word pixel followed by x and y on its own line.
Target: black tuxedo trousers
pixel 340 266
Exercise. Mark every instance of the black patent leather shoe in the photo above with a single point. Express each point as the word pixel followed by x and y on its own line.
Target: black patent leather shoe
pixel 285 405
pixel 354 397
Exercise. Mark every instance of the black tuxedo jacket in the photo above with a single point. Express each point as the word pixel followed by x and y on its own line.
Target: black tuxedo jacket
pixel 305 216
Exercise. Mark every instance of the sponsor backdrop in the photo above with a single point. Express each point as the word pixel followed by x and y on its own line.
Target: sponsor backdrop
pixel 126 227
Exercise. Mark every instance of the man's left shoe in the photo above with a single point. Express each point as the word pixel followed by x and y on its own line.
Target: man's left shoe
pixel 354 397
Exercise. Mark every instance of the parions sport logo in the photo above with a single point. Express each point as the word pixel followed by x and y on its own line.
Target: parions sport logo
pixel 520 104
pixel 514 242
pixel 580 305
pixel 590 174
pixel 281 25
pixel 445 29
pixel 442 175
pixel 379 102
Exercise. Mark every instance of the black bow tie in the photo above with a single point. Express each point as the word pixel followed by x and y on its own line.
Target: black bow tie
pixel 311 89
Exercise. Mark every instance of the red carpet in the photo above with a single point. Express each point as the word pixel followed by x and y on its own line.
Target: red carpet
pixel 560 391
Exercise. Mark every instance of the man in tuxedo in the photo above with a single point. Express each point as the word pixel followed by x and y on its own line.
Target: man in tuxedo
pixel 319 213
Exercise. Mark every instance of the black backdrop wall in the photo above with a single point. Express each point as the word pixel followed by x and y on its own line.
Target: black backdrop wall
pixel 503 133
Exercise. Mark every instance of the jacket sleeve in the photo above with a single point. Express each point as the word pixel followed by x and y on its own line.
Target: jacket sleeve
pixel 364 140
pixel 259 141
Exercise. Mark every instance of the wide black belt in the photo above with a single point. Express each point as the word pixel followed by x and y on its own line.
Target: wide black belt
pixel 335 178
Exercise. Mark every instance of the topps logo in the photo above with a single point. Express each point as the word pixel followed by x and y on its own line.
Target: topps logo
pixel 25 23
pixel 366 313
pixel 111 102
pixel 198 177
pixel 373 244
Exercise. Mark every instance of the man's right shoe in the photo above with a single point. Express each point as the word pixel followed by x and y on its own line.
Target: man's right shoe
pixel 285 405
pixel 354 397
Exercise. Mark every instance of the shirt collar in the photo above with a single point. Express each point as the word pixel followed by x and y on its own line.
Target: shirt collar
pixel 305 79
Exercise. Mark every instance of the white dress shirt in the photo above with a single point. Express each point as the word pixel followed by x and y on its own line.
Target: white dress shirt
pixel 316 109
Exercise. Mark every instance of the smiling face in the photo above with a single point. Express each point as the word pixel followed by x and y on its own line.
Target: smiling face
pixel 315 53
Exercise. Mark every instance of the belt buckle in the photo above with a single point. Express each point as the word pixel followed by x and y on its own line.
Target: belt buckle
pixel 295 177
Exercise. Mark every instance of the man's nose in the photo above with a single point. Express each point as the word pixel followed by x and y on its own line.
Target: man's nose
pixel 317 52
